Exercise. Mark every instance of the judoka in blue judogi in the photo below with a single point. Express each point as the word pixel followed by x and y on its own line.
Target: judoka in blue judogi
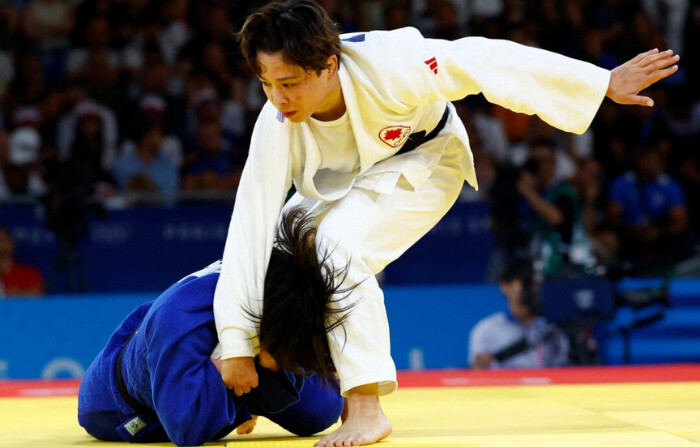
pixel 155 381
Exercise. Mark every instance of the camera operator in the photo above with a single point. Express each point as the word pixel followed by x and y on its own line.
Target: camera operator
pixel 519 337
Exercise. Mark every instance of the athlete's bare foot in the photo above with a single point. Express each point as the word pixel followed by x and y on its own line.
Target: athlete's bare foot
pixel 365 422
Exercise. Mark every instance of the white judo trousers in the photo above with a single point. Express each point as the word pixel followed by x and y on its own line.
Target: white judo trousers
pixel 367 230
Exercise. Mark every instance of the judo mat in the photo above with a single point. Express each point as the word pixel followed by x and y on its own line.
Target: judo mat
pixel 655 406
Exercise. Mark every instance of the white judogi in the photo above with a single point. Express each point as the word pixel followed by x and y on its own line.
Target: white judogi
pixel 394 83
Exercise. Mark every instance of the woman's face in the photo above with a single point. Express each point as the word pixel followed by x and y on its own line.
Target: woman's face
pixel 295 92
pixel 90 125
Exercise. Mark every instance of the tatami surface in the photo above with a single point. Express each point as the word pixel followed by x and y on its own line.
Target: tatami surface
pixel 643 414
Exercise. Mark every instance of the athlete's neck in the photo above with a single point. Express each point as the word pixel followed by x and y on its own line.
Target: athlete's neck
pixel 334 105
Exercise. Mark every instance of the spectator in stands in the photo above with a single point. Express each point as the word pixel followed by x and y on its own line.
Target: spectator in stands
pixel 49 23
pixel 23 172
pixel 97 64
pixel 97 40
pixel 595 51
pixel 558 236
pixel 206 107
pixel 682 124
pixel 147 169
pixel 28 85
pixel 89 127
pixel 4 164
pixel 153 111
pixel 50 111
pixel 155 78
pixel 204 104
pixel 16 279
pixel 77 181
pixel 647 207
pixel 348 14
pixel 215 65
pixel 88 147
pixel 116 11
pixel 214 26
pixel 519 337
pixel 236 114
pixel 8 29
pixel 173 29
pixel 212 167
pixel 396 15
pixel 587 183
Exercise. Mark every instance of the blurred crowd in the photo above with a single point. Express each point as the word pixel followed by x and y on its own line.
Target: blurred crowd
pixel 142 101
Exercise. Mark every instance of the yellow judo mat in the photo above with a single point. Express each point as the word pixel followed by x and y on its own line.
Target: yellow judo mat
pixel 619 415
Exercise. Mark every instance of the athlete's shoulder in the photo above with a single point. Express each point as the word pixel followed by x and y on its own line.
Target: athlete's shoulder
pixel 402 35
pixel 491 323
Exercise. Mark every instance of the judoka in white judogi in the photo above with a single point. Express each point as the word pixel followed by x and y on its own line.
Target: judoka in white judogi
pixel 373 202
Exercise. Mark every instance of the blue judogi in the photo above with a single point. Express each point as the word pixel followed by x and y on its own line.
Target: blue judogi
pixel 177 391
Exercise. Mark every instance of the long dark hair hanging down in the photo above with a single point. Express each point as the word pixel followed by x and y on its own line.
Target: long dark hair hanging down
pixel 302 288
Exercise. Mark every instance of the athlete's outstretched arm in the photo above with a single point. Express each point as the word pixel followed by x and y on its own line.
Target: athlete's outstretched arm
pixel 628 79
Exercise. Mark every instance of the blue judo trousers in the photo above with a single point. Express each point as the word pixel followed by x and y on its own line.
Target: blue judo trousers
pixel 175 392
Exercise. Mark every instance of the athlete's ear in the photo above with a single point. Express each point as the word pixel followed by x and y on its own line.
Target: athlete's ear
pixel 332 64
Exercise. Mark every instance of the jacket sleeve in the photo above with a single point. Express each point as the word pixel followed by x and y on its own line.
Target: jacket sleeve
pixel 264 184
pixel 188 394
pixel 566 93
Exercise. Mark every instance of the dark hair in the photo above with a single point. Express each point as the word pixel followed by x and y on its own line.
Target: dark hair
pixel 144 128
pixel 298 304
pixel 300 29
pixel 522 269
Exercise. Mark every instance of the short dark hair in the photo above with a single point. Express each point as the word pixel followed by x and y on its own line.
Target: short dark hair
pixel 523 270
pixel 300 29
pixel 519 269
pixel 298 303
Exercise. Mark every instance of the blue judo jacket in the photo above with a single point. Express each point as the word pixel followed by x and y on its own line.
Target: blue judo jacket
pixel 166 368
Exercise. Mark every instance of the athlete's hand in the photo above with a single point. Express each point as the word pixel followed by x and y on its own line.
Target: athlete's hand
pixel 247 427
pixel 628 79
pixel 238 374
pixel 483 360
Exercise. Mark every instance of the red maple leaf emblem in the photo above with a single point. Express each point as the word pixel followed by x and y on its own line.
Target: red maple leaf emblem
pixel 392 134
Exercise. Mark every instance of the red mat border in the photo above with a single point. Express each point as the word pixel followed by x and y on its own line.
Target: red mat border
pixel 572 375
pixel 443 378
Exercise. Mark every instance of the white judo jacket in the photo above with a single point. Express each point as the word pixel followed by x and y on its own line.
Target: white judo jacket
pixel 394 83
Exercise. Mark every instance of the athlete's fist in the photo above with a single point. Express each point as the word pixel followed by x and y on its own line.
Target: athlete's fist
pixel 238 374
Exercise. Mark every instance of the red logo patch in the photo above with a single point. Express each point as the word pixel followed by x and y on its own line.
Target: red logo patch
pixel 432 63
pixel 394 136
